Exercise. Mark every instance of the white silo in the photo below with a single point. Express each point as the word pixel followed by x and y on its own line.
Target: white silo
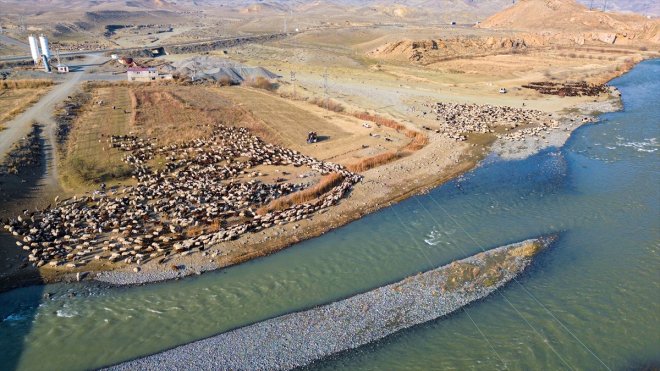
pixel 44 46
pixel 34 49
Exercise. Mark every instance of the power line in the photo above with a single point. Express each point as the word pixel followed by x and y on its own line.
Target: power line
pixel 499 291
pixel 521 285
pixel 464 309
pixel 293 82
pixel 325 87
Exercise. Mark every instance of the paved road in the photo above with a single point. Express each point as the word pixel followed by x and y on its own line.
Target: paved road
pixel 17 43
pixel 42 112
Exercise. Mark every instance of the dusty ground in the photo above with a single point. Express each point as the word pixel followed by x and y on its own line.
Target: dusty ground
pixel 396 86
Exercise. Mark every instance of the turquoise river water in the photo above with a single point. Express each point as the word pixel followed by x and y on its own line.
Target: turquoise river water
pixel 590 302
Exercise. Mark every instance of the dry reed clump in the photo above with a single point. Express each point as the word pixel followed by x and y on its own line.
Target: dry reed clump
pixel 329 104
pixel 224 81
pixel 194 231
pixel 25 84
pixel 375 161
pixel 134 106
pixel 259 83
pixel 417 137
pixel 326 183
pixel 380 120
pixel 159 113
pixel 419 140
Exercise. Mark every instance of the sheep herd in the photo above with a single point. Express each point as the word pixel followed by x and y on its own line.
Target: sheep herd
pixel 184 198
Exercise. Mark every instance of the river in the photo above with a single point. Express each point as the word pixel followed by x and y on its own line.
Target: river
pixel 590 302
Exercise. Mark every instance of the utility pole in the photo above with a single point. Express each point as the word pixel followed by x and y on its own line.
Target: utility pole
pixel 604 5
pixel 21 22
pixel 325 86
pixel 293 82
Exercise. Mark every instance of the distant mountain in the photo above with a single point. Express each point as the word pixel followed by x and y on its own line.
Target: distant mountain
pixel 394 9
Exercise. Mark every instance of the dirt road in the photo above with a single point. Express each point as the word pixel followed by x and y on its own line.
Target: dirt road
pixel 42 112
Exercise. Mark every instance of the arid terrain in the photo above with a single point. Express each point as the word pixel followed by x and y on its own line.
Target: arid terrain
pixel 213 168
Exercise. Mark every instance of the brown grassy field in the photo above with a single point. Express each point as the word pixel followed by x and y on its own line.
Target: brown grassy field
pixel 157 112
pixel 17 95
pixel 171 114
pixel 87 158
pixel 343 138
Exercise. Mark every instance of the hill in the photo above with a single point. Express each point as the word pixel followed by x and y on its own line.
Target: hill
pixel 570 17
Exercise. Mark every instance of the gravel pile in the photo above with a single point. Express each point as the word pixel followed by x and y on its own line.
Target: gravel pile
pixel 298 339
pixel 217 69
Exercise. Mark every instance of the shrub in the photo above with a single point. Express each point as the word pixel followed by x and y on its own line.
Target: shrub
pixel 224 81
pixel 375 161
pixel 327 183
pixel 328 104
pixel 25 84
pixel 419 140
pixel 259 83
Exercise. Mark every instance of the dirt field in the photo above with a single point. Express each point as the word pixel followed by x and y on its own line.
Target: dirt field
pixel 401 87
pixel 343 139
pixel 176 114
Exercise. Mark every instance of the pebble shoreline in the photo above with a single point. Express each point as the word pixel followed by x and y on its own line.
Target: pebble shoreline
pixel 300 338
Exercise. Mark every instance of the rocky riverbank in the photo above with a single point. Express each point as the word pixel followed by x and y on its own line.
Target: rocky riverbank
pixel 298 339
pixel 527 142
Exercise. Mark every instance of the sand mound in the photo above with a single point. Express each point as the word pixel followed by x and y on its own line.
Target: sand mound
pixel 569 17
pixel 217 69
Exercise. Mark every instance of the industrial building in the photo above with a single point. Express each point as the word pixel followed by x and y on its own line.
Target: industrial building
pixel 42 56
pixel 145 74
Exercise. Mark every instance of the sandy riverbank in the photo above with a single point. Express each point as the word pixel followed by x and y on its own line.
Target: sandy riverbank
pixel 440 161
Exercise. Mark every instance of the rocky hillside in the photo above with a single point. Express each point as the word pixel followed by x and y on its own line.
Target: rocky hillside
pixel 434 50
pixel 576 22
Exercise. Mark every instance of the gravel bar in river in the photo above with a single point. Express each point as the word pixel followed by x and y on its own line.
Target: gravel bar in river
pixel 300 338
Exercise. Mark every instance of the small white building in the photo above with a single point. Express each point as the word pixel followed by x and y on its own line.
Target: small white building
pixel 62 68
pixel 142 74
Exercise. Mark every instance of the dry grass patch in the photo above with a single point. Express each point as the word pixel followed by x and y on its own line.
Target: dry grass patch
pixel 375 161
pixel 25 84
pixel 418 141
pixel 329 104
pixel 259 83
pixel 327 183
pixel 283 122
pixel 156 112
pixel 87 158
pixel 17 95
